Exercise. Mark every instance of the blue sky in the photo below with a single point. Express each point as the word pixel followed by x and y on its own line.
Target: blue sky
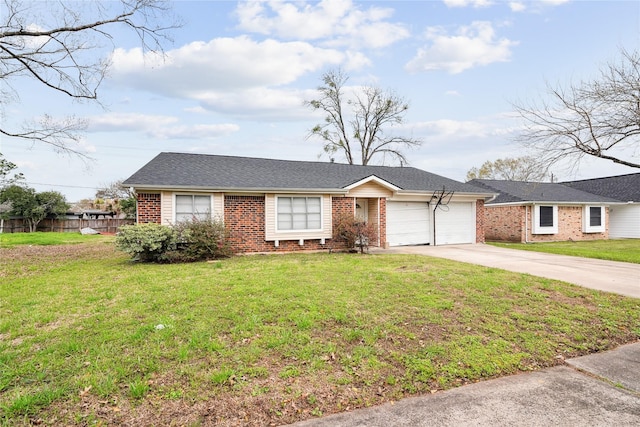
pixel 235 78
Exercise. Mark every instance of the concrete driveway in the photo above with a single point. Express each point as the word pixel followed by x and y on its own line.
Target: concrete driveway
pixel 611 276
pixel 595 390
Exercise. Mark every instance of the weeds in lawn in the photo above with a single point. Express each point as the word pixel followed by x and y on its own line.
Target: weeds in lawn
pixel 272 339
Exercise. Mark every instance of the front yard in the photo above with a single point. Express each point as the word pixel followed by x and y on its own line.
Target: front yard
pixel 626 250
pixel 87 337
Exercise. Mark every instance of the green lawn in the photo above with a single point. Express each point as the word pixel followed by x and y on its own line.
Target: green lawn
pixel 89 338
pixel 626 250
pixel 8 240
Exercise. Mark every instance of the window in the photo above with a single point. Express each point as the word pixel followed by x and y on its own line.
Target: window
pixel 593 219
pixel 546 216
pixel 192 206
pixel 299 213
pixel 545 219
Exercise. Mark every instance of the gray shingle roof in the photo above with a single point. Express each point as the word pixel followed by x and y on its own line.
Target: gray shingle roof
pixel 625 188
pixel 524 192
pixel 180 170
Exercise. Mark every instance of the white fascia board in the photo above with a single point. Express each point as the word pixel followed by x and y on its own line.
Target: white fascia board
pixel 547 202
pixel 375 179
pixel 474 196
pixel 236 190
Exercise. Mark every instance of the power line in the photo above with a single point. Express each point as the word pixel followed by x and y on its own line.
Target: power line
pixel 61 185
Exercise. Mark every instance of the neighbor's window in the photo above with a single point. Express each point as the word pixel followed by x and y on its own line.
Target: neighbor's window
pixel 545 219
pixel 192 206
pixel 546 216
pixel 299 213
pixel 593 219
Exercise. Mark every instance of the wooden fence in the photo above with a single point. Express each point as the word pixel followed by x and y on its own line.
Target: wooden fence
pixel 103 225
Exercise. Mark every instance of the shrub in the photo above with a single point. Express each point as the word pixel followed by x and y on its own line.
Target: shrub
pixel 146 242
pixel 200 239
pixel 354 232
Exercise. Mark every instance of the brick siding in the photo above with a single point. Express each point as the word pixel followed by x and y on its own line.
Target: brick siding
pixel 504 223
pixel 245 217
pixel 148 208
pixel 480 221
pixel 508 223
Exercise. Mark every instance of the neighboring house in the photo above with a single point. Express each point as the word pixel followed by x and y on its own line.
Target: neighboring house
pixel 624 219
pixel 279 205
pixel 542 212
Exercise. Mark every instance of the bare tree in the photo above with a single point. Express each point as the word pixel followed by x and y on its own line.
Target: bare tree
pixel 599 118
pixel 56 45
pixel 526 168
pixel 357 126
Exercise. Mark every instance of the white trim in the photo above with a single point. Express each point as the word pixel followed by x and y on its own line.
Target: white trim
pixel 174 206
pixel 375 179
pixel 586 220
pixel 304 230
pixel 537 229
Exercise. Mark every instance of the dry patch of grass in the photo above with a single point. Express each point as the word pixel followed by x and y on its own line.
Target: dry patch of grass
pixel 87 337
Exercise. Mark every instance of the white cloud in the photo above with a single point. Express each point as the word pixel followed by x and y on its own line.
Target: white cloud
pixel 254 102
pixel 118 122
pixel 473 45
pixel 223 64
pixel 452 93
pixel 155 126
pixel 334 22
pixel 194 132
pixel 517 6
pixel 465 3
pixel 456 131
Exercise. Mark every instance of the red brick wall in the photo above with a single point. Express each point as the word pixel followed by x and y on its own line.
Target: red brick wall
pixel 507 223
pixel 245 217
pixel 504 223
pixel 383 222
pixel 148 208
pixel 343 205
pixel 480 221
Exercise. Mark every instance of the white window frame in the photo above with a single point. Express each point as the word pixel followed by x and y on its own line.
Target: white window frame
pixel 586 223
pixel 192 195
pixel 300 230
pixel 537 228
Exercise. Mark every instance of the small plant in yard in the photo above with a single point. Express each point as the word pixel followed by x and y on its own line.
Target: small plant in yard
pixel 200 239
pixel 187 241
pixel 354 232
pixel 146 242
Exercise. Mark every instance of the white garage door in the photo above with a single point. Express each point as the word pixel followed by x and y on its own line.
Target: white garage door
pixel 455 224
pixel 407 223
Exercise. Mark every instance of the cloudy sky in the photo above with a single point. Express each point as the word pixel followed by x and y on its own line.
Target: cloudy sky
pixel 235 78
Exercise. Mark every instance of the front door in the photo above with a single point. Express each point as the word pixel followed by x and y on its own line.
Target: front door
pixel 362 210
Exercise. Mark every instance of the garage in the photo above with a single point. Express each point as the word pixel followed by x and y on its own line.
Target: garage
pixel 455 224
pixel 408 223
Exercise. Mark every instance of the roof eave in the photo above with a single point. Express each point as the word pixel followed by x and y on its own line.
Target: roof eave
pixel 238 189
pixel 551 202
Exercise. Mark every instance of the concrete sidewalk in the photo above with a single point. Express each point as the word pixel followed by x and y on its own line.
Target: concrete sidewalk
pixel 611 276
pixel 596 390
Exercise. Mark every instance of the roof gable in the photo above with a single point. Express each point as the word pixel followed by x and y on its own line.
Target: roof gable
pixel 625 188
pixel 204 171
pixel 528 192
pixel 373 179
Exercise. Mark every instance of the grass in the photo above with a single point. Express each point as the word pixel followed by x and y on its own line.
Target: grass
pixel 625 250
pixel 44 239
pixel 88 337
